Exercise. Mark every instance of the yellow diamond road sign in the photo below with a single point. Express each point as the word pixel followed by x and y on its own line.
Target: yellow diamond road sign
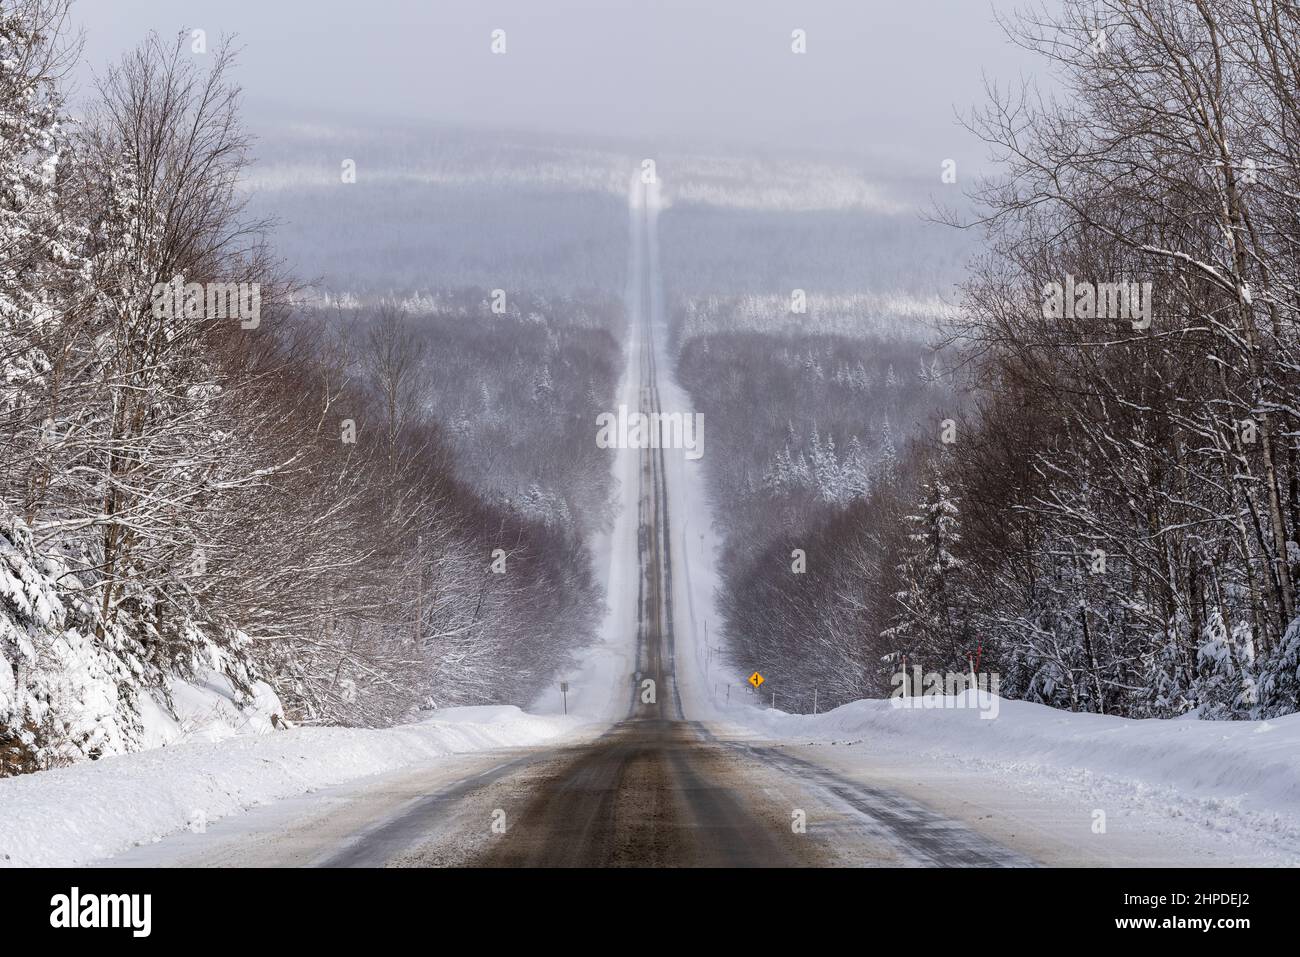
pixel 756 679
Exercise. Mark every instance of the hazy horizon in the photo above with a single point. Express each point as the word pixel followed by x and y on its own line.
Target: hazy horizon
pixel 681 76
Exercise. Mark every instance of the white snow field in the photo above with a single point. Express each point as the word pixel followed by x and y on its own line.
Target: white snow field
pixel 1175 792
pixel 80 814
pixel 1229 786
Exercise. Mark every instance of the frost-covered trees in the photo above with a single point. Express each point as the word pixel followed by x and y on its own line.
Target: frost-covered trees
pixel 804 455
pixel 185 489
pixel 1142 549
pixel 929 621
pixel 1129 480
pixel 814 468
pixel 41 243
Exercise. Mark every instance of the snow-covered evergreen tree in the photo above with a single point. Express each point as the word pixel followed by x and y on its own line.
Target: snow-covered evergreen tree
pixel 886 456
pixel 856 472
pixel 1279 678
pixel 1225 666
pixel 928 623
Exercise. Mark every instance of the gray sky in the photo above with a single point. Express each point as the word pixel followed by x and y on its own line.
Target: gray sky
pixel 878 74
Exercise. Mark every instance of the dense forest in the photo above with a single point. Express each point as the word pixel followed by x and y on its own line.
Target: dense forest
pixel 1107 514
pixel 516 392
pixel 802 309
pixel 269 495
pixel 808 428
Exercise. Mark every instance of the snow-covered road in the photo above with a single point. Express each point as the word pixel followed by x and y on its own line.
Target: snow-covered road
pixel 685 776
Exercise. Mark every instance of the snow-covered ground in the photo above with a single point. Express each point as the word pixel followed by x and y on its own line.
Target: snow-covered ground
pixel 1236 781
pixel 80 814
pixel 209 708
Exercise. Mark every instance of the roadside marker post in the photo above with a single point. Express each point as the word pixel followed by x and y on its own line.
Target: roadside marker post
pixel 564 693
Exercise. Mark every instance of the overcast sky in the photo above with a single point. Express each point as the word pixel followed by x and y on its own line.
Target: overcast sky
pixel 877 75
